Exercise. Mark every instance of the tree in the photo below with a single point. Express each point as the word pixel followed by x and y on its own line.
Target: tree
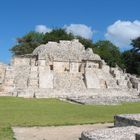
pixel 86 42
pixel 109 52
pixel 58 34
pixel 132 61
pixel 131 57
pixel 136 44
pixel 27 43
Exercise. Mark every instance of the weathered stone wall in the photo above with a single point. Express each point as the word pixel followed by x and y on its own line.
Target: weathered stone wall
pixel 129 130
pixel 2 72
pixel 45 77
pixel 61 67
pixel 64 66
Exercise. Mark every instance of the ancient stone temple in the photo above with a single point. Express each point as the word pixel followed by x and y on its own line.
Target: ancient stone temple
pixel 63 69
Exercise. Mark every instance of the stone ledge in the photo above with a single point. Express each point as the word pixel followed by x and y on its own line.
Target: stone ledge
pixel 127 120
pixel 117 133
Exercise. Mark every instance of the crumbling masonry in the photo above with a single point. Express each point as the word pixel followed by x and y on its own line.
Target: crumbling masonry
pixel 64 69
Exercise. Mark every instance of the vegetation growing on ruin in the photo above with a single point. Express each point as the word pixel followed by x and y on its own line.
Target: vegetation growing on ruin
pixel 27 43
pixel 44 112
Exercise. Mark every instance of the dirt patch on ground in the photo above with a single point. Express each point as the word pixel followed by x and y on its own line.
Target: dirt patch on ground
pixel 55 132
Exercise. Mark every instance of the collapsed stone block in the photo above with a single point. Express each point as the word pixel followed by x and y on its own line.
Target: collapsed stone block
pixel 118 133
pixel 127 120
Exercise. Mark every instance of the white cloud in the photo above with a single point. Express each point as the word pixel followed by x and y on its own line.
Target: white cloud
pixel 80 30
pixel 42 29
pixel 122 32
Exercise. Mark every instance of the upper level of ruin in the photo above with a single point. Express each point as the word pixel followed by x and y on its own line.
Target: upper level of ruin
pixel 65 51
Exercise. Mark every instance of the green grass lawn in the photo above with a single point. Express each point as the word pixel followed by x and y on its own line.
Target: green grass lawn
pixel 43 112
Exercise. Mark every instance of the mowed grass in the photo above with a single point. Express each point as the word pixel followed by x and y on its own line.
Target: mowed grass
pixel 44 112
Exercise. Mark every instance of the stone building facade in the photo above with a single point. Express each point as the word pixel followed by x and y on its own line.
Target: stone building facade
pixel 60 70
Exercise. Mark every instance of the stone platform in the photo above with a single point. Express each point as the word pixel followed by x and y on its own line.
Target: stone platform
pixel 118 133
pixel 126 127
pixel 103 100
pixel 127 120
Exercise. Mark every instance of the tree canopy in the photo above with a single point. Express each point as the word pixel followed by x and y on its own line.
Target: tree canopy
pixel 131 57
pixel 136 44
pixel 27 43
pixel 109 52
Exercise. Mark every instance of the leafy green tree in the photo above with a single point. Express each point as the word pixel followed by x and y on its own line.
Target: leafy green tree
pixel 136 44
pixel 132 62
pixel 86 42
pixel 131 57
pixel 109 52
pixel 58 34
pixel 27 43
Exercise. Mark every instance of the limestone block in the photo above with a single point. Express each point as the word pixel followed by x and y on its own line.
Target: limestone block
pixel 1 88
pixel 120 133
pixel 74 67
pixel 103 83
pixel 34 75
pixel 106 68
pixel 33 62
pixel 82 67
pixel 29 93
pixel 91 79
pixel 45 79
pixel 92 65
pixel 111 83
pixel 21 83
pixel 21 61
pixel 68 81
pixel 8 88
pixel 129 84
pixel 122 82
pixel 33 83
pixel 61 66
pixel 2 74
pixel 34 69
pixel 10 73
pixel 127 120
pixel 9 82
pixel 44 68
pixel 42 62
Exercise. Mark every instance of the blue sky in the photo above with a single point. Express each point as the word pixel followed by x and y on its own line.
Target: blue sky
pixel 116 20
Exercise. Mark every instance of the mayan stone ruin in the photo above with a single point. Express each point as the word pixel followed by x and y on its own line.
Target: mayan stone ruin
pixel 126 127
pixel 66 70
